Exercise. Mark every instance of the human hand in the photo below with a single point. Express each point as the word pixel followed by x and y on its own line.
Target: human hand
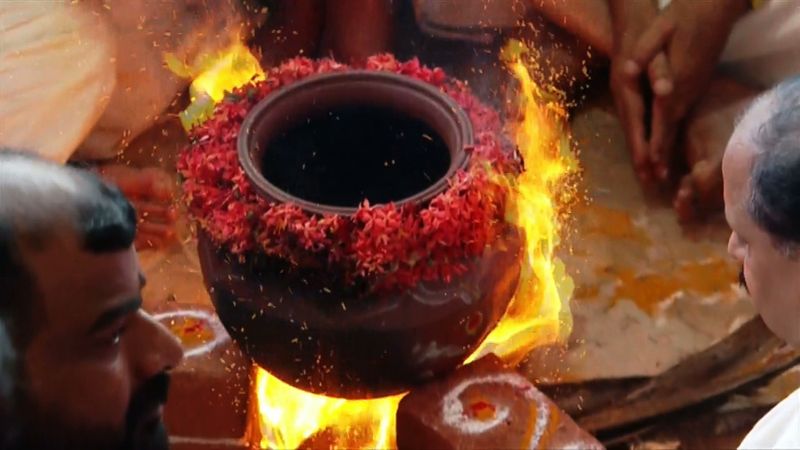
pixel 692 34
pixel 631 20
pixel 151 191
pixel 704 137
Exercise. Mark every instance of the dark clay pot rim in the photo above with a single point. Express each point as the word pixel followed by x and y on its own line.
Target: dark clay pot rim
pixel 449 112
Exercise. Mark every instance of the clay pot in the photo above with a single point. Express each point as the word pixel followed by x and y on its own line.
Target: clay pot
pixel 352 343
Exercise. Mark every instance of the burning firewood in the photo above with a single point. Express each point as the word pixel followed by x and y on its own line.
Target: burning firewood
pixel 627 408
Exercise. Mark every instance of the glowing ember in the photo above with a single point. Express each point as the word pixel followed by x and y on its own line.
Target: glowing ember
pixel 538 315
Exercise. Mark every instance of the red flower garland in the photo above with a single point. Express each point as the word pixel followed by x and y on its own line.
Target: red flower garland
pixel 391 245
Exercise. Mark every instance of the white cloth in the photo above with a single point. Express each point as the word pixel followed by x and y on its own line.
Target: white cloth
pixel 145 31
pixel 88 76
pixel 56 76
pixel 779 429
pixel 764 45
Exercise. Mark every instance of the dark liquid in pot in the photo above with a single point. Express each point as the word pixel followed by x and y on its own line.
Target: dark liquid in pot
pixel 354 153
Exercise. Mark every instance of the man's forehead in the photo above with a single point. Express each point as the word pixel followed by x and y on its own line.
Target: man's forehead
pixel 736 168
pixel 739 156
pixel 74 280
pixel 742 146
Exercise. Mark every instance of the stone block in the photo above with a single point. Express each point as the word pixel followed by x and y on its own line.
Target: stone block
pixel 485 405
pixel 211 388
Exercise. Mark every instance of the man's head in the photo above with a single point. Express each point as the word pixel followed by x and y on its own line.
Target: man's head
pixel 761 169
pixel 92 367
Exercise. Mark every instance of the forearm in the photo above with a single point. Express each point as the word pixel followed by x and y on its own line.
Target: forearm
pixel 733 10
pixel 714 20
pixel 629 19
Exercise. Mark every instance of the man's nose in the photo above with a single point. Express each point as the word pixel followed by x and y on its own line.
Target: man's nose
pixel 155 348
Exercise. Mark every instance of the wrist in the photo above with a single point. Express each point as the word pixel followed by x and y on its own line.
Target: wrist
pixel 735 9
pixel 724 13
pixel 630 16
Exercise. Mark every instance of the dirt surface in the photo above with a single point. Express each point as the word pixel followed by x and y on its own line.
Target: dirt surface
pixel 648 292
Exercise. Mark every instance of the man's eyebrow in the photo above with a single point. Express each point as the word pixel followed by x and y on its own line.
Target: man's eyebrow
pixel 110 316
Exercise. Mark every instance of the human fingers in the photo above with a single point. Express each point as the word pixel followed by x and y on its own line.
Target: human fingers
pixel 652 42
pixel 630 106
pixel 155 212
pixel 660 74
pixel 662 139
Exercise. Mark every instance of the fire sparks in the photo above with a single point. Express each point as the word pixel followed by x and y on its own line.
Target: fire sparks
pixel 538 315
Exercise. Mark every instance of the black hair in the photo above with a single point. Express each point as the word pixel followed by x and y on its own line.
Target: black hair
pixel 775 178
pixel 106 220
pixel 7 366
pixel 103 220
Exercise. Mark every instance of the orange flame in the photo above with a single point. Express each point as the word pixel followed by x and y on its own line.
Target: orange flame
pixel 212 76
pixel 538 315
pixel 290 416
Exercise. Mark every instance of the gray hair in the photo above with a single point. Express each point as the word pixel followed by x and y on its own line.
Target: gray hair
pixel 775 177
